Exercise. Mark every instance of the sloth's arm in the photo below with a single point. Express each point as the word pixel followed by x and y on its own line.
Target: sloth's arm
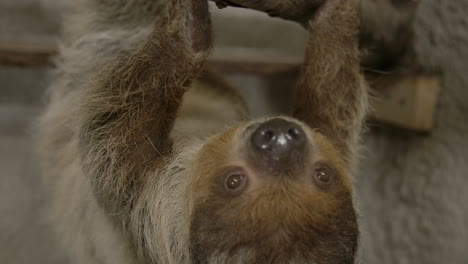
pixel 331 94
pixel 131 106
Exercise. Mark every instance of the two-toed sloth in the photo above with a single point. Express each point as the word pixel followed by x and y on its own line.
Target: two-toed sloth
pixel 150 159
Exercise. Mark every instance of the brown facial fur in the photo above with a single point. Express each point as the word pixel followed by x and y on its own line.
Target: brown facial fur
pixel 275 220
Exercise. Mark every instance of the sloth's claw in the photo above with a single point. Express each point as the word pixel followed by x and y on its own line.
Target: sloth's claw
pixel 198 26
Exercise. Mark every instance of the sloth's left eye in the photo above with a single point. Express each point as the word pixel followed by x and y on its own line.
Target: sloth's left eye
pixel 235 183
pixel 323 175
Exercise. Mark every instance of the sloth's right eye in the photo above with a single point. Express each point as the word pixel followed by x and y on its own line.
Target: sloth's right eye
pixel 323 175
pixel 235 182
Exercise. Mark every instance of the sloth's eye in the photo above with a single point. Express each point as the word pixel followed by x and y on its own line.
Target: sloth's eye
pixel 324 176
pixel 235 183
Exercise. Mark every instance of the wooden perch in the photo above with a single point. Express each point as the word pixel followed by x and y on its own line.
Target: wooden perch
pixel 226 60
pixel 408 102
pixel 253 61
pixel 25 54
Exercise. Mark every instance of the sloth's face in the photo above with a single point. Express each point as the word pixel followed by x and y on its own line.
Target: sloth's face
pixel 272 191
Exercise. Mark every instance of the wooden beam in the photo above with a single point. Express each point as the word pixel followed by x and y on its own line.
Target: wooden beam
pixel 26 54
pixel 254 61
pixel 408 102
pixel 226 60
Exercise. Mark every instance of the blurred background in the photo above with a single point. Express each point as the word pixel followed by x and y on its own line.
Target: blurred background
pixel 412 186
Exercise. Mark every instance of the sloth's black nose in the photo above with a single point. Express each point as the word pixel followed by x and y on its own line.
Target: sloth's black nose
pixel 278 139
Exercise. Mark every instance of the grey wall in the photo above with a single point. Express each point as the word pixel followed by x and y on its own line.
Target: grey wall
pixel 24 236
pixel 411 188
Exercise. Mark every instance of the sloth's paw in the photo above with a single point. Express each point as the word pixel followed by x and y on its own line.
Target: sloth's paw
pixel 296 10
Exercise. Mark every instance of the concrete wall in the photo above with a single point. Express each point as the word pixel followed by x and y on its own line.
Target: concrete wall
pixel 24 236
pixel 412 189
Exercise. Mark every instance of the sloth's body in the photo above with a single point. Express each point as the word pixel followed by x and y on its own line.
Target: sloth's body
pixel 141 171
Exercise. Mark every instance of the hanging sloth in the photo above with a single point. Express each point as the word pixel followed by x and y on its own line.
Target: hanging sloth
pixel 149 158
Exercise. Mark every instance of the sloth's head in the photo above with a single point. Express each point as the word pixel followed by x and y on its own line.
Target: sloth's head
pixel 271 191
